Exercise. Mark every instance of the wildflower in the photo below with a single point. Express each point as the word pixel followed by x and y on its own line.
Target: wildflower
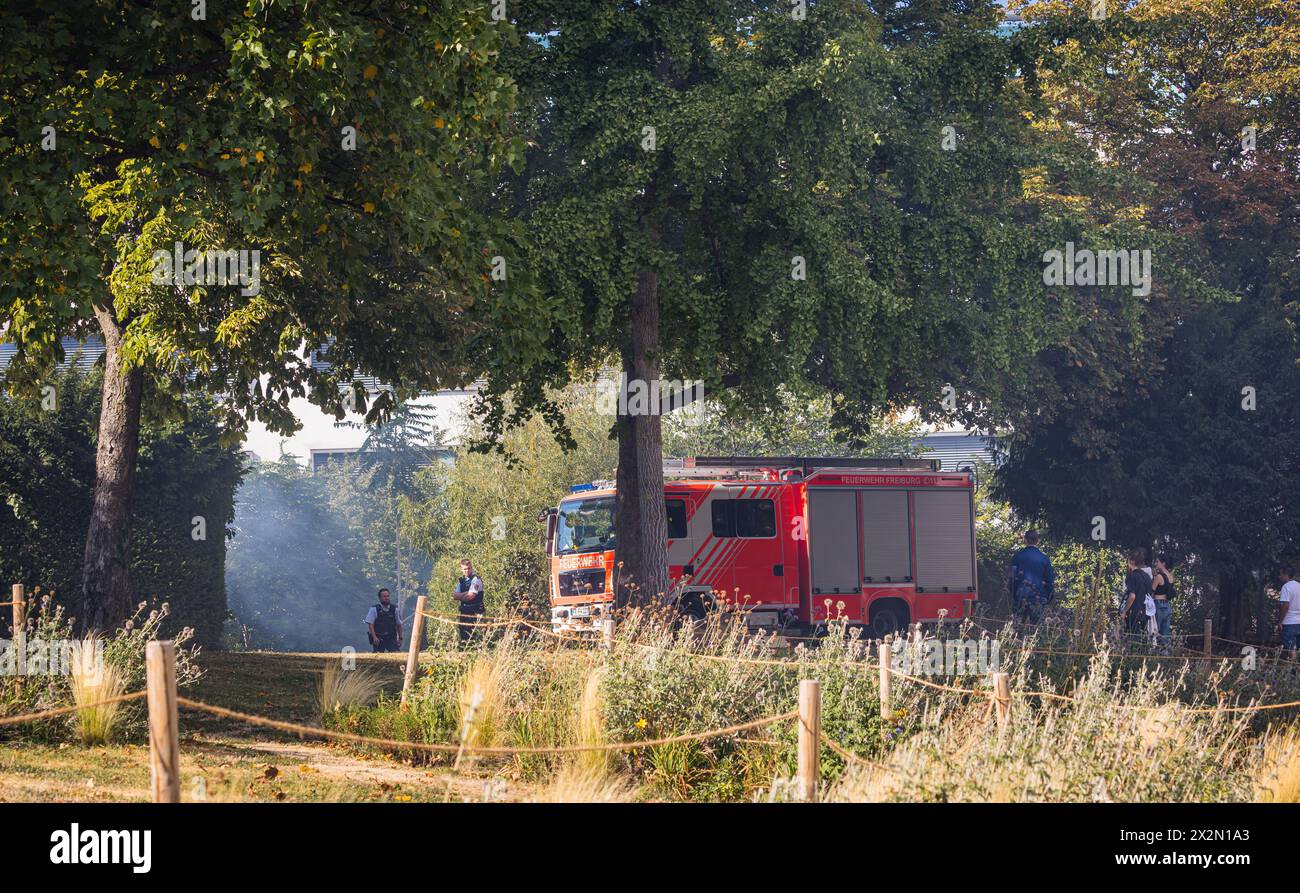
pixel 641 723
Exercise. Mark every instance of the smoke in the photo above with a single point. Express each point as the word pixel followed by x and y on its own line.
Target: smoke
pixel 299 573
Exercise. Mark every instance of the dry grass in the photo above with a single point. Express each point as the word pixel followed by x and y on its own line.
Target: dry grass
pixel 339 687
pixel 1278 779
pixel 482 698
pixel 1115 742
pixel 93 679
pixel 575 783
pixel 590 725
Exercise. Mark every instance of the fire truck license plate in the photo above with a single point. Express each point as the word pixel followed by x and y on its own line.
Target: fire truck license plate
pixel 582 611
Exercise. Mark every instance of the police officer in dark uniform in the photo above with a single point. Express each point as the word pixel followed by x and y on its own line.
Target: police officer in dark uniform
pixel 469 593
pixel 384 625
pixel 1032 579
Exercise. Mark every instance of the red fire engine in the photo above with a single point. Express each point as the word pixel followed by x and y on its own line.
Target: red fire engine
pixel 793 541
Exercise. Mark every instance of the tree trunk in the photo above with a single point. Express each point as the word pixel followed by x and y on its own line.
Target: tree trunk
pixel 1232 588
pixel 627 514
pixel 105 584
pixel 642 523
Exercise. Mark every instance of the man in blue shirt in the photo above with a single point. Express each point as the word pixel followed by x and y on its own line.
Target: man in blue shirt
pixel 1032 578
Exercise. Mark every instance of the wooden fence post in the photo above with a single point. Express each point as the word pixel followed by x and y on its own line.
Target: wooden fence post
pixel 164 744
pixel 1002 698
pixel 20 634
pixel 886 682
pixel 607 633
pixel 1207 644
pixel 413 651
pixel 810 733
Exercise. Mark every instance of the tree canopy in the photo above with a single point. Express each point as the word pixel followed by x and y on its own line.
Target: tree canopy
pixel 855 200
pixel 323 162
pixel 1183 438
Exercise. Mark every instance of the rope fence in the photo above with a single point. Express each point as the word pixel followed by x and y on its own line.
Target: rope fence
pixel 396 744
pixel 25 718
pixel 163 705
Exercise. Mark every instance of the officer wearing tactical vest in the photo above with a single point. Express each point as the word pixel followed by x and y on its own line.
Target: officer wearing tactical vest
pixel 384 625
pixel 469 592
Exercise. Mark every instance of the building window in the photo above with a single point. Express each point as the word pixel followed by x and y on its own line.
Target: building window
pixel 321 458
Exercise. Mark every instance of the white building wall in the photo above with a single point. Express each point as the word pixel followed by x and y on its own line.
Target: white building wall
pixel 320 431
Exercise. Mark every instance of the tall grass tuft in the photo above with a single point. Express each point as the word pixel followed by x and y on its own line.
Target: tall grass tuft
pixel 590 725
pixel 1278 779
pixel 340 688
pixel 482 698
pixel 94 679
pixel 1124 737
pixel 576 783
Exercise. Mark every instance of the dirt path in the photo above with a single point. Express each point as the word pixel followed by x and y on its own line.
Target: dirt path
pixel 220 769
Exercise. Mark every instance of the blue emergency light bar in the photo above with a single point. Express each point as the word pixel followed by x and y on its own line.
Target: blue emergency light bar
pixel 578 488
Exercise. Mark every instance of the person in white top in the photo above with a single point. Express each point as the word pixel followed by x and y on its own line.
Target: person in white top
pixel 1290 599
pixel 1149 606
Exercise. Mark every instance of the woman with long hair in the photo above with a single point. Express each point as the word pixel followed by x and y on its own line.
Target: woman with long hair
pixel 1162 591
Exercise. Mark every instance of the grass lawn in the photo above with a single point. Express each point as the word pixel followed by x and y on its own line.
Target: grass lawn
pixel 223 760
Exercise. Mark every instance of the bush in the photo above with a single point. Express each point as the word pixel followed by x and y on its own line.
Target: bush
pixel 1125 737
pixel 124 660
pixel 1138 729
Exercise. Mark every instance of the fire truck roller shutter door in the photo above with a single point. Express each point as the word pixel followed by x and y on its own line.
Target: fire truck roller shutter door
pixel 945 555
pixel 886 550
pixel 833 542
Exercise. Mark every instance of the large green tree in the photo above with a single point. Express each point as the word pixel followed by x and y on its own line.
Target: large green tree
pixel 347 143
pixel 760 194
pixel 1177 425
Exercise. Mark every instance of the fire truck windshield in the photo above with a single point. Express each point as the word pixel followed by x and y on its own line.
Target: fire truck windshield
pixel 585 525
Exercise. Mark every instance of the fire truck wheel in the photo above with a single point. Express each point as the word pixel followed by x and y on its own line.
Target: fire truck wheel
pixel 887 618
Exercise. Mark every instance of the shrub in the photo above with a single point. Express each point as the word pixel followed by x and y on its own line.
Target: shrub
pixel 48 630
pixel 93 680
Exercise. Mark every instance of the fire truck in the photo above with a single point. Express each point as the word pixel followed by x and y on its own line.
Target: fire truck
pixel 792 542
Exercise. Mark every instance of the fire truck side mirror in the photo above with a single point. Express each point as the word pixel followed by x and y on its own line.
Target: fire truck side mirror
pixel 550 516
